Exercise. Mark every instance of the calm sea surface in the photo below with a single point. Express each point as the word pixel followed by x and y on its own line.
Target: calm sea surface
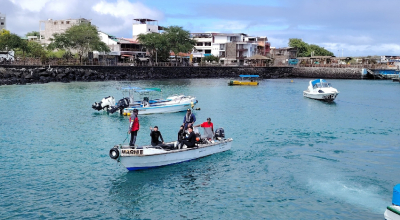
pixel 291 157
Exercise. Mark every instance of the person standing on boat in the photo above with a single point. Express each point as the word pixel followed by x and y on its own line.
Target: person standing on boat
pixel 133 127
pixel 155 135
pixel 190 140
pixel 208 128
pixel 189 119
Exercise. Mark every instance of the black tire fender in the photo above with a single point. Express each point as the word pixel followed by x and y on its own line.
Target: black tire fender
pixel 114 153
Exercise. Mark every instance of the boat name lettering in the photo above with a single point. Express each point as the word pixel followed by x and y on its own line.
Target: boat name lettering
pixel 133 152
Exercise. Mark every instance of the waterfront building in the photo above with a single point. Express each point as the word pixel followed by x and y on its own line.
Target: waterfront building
pixel 123 47
pixel 49 27
pixel 231 48
pixel 145 26
pixel 283 56
pixel 2 21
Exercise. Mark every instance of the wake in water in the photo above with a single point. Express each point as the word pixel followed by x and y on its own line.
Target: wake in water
pixel 364 197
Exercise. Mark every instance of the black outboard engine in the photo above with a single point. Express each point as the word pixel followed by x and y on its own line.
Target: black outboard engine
pixel 97 106
pixel 123 103
pixel 219 133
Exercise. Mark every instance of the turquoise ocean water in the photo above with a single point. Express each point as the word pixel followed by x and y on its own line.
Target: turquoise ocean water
pixel 291 158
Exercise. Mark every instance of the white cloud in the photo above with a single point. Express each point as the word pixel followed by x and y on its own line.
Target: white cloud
pixel 30 5
pixel 125 9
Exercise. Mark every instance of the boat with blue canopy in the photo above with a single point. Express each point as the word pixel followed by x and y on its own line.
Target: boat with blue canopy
pixel 126 105
pixel 246 80
pixel 393 211
pixel 320 89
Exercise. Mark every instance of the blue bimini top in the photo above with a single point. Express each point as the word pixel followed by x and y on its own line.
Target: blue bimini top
pixel 249 76
pixel 317 81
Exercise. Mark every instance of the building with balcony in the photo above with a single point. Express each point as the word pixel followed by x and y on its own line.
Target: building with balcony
pixel 230 48
pixel 2 21
pixel 123 47
pixel 144 26
pixel 49 27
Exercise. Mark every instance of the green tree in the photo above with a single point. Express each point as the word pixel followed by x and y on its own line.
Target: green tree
pixel 179 40
pixel 305 50
pixel 81 38
pixel 9 41
pixel 35 49
pixel 156 44
pixel 319 51
pixel 33 33
pixel 302 47
pixel 211 58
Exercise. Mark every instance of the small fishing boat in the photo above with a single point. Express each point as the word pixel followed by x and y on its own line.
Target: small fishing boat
pixel 393 212
pixel 145 106
pixel 145 157
pixel 247 80
pixel 321 90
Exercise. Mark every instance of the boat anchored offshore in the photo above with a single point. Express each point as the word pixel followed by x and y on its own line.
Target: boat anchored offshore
pixel 393 212
pixel 321 90
pixel 251 81
pixel 126 105
pixel 149 156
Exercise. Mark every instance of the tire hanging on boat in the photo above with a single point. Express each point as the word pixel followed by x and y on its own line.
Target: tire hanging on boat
pixel 114 153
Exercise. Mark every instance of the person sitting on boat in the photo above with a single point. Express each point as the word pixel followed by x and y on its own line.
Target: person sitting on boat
pixel 181 133
pixel 155 135
pixel 190 140
pixel 208 128
pixel 189 119
pixel 133 127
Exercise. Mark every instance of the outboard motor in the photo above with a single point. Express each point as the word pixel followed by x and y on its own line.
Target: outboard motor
pixel 219 133
pixel 145 102
pixel 123 103
pixel 106 102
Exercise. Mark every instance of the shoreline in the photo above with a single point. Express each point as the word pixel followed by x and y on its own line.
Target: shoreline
pixel 21 75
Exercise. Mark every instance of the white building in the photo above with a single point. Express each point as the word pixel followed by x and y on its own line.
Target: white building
pixel 49 27
pixel 230 48
pixel 3 21
pixel 144 26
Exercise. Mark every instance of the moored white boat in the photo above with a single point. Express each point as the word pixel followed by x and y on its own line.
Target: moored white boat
pixel 149 157
pixel 393 212
pixel 321 90
pixel 175 103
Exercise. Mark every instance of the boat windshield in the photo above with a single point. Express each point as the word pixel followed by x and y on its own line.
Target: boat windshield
pixel 322 85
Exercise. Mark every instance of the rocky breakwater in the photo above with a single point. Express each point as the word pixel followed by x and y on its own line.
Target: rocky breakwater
pixel 327 73
pixel 22 75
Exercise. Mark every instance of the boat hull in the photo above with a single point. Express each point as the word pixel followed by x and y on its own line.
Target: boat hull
pixel 168 107
pixel 392 213
pixel 139 159
pixel 241 83
pixel 159 109
pixel 329 97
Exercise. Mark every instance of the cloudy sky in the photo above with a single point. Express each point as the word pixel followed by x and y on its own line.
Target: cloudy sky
pixel 348 27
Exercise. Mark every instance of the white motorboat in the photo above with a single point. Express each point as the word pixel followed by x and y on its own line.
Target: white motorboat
pixel 321 90
pixel 126 105
pixel 145 157
pixel 393 212
pixel 174 103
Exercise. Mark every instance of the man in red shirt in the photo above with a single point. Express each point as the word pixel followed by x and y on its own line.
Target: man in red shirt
pixel 208 128
pixel 133 127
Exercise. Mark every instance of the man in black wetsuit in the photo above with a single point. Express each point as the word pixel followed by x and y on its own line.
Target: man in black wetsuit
pixel 181 133
pixel 190 140
pixel 155 135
